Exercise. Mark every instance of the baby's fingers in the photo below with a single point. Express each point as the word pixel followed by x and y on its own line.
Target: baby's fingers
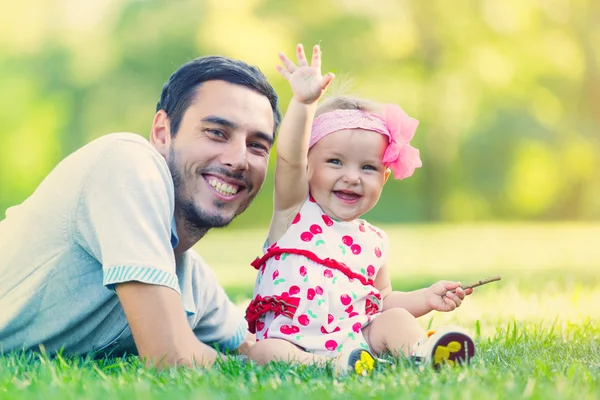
pixel 300 55
pixel 327 80
pixel 452 303
pixel 289 65
pixel 284 72
pixel 316 57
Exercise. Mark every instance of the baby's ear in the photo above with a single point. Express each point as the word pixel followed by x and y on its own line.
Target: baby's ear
pixel 387 174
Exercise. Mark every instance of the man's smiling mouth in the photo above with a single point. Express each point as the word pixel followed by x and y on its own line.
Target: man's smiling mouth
pixel 221 187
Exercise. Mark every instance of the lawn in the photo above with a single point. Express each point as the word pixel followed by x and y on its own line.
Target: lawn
pixel 537 331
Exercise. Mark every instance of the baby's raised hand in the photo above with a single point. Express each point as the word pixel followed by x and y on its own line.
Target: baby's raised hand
pixel 440 297
pixel 306 80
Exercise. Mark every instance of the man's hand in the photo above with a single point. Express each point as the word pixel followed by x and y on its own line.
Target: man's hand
pixel 247 344
pixel 159 326
pixel 306 80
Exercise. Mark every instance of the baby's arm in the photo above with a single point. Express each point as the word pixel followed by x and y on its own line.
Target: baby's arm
pixel 291 185
pixel 420 302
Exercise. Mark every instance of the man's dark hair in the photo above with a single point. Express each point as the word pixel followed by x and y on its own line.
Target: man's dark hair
pixel 178 93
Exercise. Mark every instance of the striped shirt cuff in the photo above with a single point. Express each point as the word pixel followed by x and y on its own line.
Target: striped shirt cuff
pixel 151 275
pixel 234 342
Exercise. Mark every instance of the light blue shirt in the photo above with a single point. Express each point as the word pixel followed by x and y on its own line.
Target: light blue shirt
pixel 103 216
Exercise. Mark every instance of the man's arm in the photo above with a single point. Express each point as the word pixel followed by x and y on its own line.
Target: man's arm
pixel 159 326
pixel 123 219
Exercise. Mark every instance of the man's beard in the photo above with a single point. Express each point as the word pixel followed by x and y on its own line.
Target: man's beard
pixel 197 220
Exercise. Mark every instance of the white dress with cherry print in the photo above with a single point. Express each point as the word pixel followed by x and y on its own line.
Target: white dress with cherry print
pixel 315 285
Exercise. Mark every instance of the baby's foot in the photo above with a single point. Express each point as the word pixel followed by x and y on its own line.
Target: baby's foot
pixel 358 361
pixel 449 345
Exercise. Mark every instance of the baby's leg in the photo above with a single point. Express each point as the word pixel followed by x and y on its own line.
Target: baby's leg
pixel 395 331
pixel 268 350
pixel 357 361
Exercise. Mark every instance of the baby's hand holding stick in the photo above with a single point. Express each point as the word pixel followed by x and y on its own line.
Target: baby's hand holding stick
pixel 477 283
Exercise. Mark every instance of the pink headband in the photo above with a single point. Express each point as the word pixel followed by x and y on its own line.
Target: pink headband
pixel 399 155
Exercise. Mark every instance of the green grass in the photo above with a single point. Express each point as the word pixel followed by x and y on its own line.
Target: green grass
pixel 537 333
pixel 517 361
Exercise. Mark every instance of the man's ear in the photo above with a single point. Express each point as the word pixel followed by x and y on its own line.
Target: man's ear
pixel 160 134
pixel 386 175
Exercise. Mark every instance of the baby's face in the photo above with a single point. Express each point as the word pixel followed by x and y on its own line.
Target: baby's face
pixel 345 172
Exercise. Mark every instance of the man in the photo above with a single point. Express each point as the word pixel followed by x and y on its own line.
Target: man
pixel 99 258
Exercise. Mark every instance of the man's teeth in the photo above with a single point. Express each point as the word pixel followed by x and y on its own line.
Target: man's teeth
pixel 223 188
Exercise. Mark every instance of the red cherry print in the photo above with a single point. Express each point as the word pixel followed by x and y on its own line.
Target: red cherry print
pixel 356 327
pixel 306 236
pixel 347 240
pixel 285 329
pixel 328 221
pixel 266 333
pixel 370 270
pixel 259 325
pixel 296 219
pixel 352 314
pixel 378 252
pixel 294 290
pixel 337 329
pixel 328 273
pixel 361 228
pixel 295 329
pixel 278 257
pixel 312 199
pixel 331 345
pixel 329 318
pixel 319 290
pixel 355 249
pixel 323 330
pixel 316 229
pixel 302 271
pixel 349 309
pixel 345 299
pixel 310 294
pixel 275 274
pixel 303 320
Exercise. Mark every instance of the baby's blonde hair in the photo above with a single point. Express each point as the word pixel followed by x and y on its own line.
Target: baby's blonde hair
pixel 345 102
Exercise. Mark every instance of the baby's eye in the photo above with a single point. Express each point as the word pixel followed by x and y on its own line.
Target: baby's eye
pixel 370 167
pixel 334 161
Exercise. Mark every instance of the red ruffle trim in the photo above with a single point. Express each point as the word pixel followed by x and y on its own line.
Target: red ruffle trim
pixel 284 304
pixel 326 262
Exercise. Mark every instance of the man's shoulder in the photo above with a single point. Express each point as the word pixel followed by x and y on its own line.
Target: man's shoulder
pixel 126 143
pixel 127 151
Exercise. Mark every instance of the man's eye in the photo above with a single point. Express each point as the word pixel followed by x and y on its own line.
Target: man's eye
pixel 334 161
pixel 215 132
pixel 259 146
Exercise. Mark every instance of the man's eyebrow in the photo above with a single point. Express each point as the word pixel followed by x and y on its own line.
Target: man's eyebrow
pixel 213 119
pixel 264 136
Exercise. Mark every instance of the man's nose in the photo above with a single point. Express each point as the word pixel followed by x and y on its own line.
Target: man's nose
pixel 235 155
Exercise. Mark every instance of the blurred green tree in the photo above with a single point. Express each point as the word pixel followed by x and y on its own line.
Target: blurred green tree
pixel 507 91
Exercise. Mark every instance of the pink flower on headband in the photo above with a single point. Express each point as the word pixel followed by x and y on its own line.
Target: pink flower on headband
pixel 399 155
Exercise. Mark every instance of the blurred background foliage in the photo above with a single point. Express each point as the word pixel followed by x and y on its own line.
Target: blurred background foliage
pixel 507 91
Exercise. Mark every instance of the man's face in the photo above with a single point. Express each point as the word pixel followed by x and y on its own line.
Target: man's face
pixel 218 158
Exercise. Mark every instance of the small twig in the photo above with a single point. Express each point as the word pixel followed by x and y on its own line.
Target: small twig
pixel 477 283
